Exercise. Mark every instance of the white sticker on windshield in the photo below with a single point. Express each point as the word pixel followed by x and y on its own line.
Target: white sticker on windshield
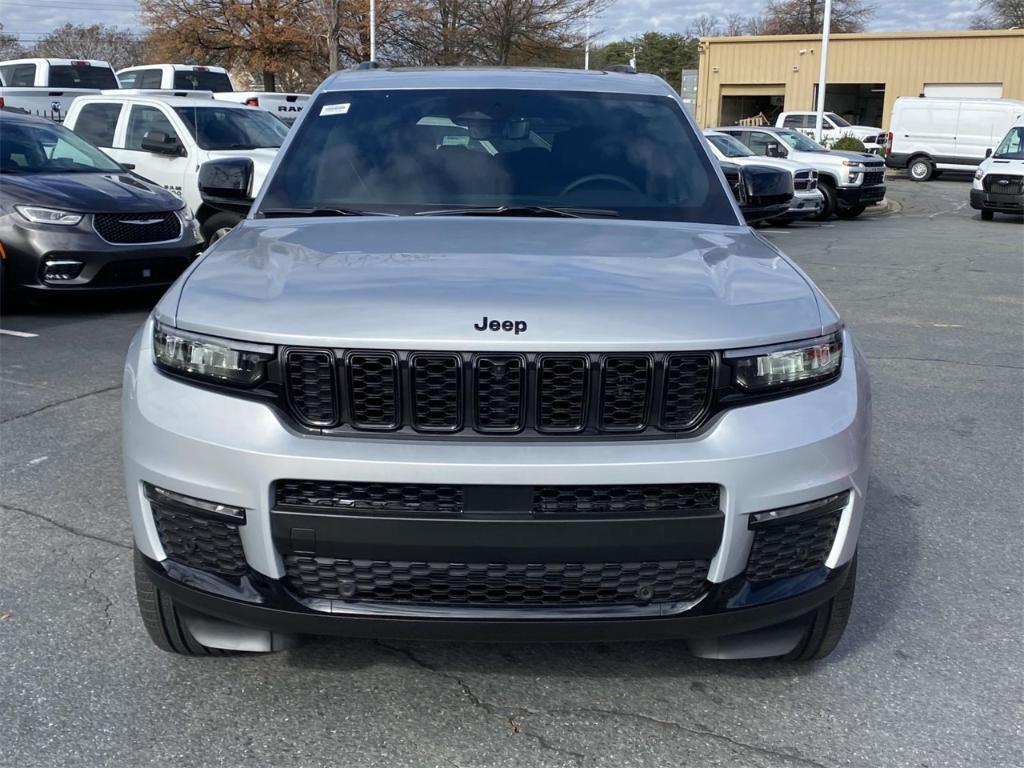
pixel 334 109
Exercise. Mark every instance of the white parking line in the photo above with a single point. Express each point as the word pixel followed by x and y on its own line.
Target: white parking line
pixel 19 334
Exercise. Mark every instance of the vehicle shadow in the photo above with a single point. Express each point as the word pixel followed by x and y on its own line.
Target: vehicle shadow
pixel 889 552
pixel 53 305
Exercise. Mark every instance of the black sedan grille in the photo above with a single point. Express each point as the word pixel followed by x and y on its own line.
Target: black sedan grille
pixel 134 228
pixel 547 393
pixel 1004 184
pixel 496 584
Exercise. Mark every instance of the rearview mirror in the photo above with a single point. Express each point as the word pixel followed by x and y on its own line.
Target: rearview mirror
pixel 227 182
pixel 160 143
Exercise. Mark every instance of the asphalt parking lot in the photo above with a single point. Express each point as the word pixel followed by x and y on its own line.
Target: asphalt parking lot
pixel 928 674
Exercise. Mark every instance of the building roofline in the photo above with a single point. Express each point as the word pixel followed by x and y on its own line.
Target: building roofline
pixel 944 33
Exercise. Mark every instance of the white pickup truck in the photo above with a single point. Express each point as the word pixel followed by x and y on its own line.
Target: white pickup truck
pixel 833 128
pixel 46 87
pixel 188 77
pixel 167 139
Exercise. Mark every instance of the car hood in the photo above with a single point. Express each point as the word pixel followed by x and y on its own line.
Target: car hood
pixel 87 192
pixel 581 284
pixel 262 159
pixel 773 162
pixel 862 130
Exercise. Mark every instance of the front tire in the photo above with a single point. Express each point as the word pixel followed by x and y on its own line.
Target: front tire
pixel 827 623
pixel 218 225
pixel 987 215
pixel 921 169
pixel 831 202
pixel 163 623
pixel 852 212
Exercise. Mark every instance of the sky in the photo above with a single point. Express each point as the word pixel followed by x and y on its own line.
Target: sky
pixel 30 19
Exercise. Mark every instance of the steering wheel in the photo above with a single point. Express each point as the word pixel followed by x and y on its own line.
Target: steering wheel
pixel 572 185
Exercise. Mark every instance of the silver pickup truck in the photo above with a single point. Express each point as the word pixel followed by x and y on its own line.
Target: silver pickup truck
pixel 494 356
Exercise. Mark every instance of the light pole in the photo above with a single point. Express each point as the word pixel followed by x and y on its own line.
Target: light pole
pixel 586 47
pixel 820 109
pixel 373 30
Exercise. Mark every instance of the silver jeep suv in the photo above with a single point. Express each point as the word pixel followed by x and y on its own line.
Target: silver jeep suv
pixel 494 357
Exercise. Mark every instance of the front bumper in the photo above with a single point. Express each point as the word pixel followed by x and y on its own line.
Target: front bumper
pixel 993 201
pixel 805 203
pixel 851 196
pixel 104 266
pixel 211 446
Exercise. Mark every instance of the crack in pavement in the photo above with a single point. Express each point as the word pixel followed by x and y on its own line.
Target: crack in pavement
pixel 88 585
pixel 479 703
pixel 59 403
pixel 948 362
pixel 519 711
pixel 64 527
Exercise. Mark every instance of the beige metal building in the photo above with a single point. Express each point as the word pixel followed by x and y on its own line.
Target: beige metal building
pixel 743 77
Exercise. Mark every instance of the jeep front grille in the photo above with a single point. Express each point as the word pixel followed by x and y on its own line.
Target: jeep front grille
pixel 451 392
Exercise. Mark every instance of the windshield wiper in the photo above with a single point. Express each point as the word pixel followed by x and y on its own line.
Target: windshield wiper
pixel 522 210
pixel 271 213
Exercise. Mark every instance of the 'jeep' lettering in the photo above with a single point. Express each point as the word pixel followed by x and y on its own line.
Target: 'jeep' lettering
pixel 508 326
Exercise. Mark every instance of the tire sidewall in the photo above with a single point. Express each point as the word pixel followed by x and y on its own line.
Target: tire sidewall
pixel 831 202
pixel 216 223
pixel 920 169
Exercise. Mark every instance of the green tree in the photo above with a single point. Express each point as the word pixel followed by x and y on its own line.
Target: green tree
pixel 665 55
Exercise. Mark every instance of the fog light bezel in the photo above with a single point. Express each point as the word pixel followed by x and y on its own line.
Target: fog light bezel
pixel 213 509
pixel 806 511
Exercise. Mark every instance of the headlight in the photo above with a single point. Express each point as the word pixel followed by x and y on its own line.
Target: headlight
pixel 210 359
pixel 48 215
pixel 979 175
pixel 799 363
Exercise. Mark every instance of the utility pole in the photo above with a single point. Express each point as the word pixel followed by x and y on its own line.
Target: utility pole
pixel 373 30
pixel 820 109
pixel 632 60
pixel 586 48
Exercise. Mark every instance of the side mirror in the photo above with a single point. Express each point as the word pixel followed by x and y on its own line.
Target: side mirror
pixel 227 183
pixel 160 143
pixel 765 192
pixel 988 153
pixel 772 150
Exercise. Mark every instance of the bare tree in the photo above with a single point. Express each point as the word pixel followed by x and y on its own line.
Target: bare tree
pixel 10 48
pixel 735 25
pixel 523 31
pixel 792 17
pixel 74 41
pixel 704 26
pixel 999 14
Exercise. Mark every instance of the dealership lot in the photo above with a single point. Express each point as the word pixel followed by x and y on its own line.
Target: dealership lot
pixel 926 675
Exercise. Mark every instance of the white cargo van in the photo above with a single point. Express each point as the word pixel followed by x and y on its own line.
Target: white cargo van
pixel 928 135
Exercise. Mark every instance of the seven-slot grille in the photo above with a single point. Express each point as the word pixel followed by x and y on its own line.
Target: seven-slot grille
pixel 447 392
pixel 1003 183
pixel 132 228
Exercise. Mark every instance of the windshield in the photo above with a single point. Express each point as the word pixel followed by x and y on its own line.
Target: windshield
pixel 233 128
pixel 412 151
pixel 202 80
pixel 1011 147
pixel 729 146
pixel 799 141
pixel 837 120
pixel 82 76
pixel 32 148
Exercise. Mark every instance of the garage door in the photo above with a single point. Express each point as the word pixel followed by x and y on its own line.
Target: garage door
pixel 964 90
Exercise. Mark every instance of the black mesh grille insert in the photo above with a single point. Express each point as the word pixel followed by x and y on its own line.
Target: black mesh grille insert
pixel 311 387
pixel 687 390
pixel 789 547
pixel 198 541
pixel 496 584
pixel 871 178
pixel 137 227
pixel 562 393
pixel 625 392
pixel 373 389
pixel 437 392
pixel 500 393
pixel 589 500
pixel 367 497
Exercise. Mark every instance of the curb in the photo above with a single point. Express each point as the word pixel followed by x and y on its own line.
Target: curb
pixel 886 207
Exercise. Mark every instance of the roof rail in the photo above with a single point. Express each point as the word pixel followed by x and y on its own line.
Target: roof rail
pixel 625 69
pixel 368 65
